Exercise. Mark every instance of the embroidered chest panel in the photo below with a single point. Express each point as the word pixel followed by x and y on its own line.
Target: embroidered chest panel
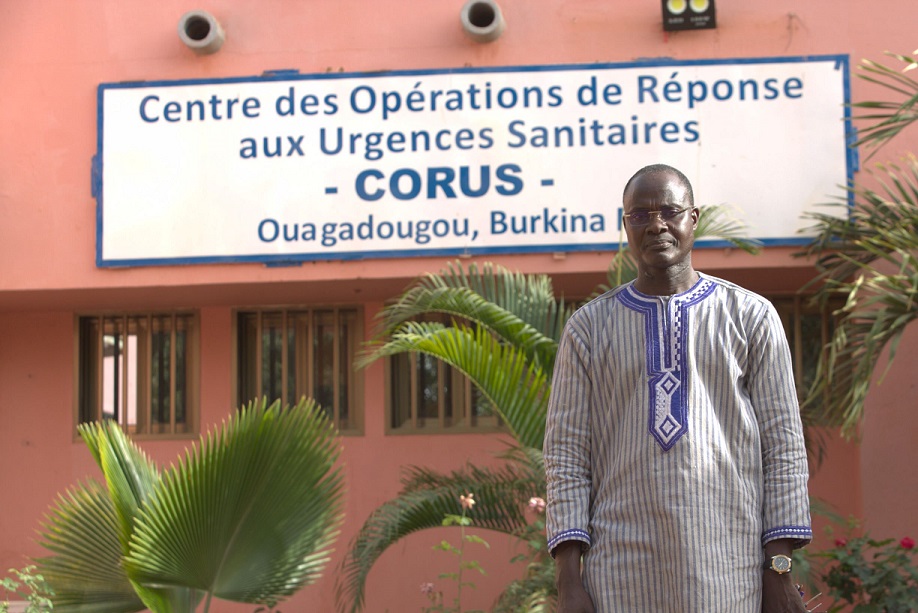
pixel 666 330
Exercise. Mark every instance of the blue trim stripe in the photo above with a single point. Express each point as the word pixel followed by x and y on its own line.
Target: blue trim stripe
pixel 569 535
pixel 840 62
pixel 801 534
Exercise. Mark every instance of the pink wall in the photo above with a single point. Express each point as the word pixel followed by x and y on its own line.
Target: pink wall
pixel 57 51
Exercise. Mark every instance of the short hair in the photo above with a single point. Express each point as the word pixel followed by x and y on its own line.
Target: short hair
pixel 654 169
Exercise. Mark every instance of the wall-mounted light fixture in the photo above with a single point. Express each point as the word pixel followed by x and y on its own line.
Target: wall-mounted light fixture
pixel 688 14
pixel 482 20
pixel 201 32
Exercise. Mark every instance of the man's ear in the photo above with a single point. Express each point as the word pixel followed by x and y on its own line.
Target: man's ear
pixel 696 215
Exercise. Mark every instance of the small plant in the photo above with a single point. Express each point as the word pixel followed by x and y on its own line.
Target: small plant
pixel 873 576
pixel 428 589
pixel 536 591
pixel 28 586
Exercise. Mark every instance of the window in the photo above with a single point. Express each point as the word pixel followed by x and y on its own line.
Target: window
pixel 808 327
pixel 426 395
pixel 289 354
pixel 138 370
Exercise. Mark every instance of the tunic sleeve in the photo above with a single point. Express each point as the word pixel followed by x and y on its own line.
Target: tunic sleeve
pixel 567 444
pixel 784 463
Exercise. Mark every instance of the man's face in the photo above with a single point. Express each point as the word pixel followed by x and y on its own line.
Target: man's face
pixel 661 243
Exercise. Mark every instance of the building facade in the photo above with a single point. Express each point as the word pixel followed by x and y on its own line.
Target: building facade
pixel 126 291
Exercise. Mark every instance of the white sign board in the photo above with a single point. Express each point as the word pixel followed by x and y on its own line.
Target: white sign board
pixel 288 167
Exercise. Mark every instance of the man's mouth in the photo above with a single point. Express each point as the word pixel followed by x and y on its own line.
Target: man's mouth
pixel 658 245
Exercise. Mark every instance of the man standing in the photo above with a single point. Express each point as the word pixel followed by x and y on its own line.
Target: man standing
pixel 674 450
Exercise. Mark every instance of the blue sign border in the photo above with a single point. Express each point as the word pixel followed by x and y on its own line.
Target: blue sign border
pixel 852 160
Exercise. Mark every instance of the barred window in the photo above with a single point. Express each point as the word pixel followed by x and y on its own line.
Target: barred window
pixel 426 395
pixel 138 370
pixel 808 327
pixel 287 354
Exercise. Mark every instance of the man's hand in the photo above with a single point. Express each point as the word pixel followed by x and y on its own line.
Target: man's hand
pixel 572 598
pixel 779 594
pixel 577 602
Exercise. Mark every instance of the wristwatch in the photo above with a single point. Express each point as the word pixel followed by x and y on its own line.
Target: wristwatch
pixel 780 563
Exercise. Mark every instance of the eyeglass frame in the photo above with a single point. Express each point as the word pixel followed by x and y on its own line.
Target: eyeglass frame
pixel 661 215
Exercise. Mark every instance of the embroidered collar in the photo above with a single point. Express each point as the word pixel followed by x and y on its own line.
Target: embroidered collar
pixel 666 331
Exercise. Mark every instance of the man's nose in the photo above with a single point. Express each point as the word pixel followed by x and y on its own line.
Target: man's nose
pixel 656 224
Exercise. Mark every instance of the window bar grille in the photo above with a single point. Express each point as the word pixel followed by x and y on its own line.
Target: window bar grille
pixel 100 370
pixel 172 349
pixel 121 367
pixel 301 352
pixel 284 361
pixel 441 401
pixel 259 340
pixel 145 402
pixel 336 374
pixel 310 355
pixel 413 388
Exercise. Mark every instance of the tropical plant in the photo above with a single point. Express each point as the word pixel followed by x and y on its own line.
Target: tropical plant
pixel 873 576
pixel 504 334
pixel 437 604
pixel 866 251
pixel 30 587
pixel 246 515
pixel 535 591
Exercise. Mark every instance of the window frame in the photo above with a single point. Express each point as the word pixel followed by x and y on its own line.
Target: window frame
pixel 356 390
pixel 791 309
pixel 462 392
pixel 192 360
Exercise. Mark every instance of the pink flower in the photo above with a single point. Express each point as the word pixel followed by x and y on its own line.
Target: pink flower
pixel 467 501
pixel 427 588
pixel 537 504
pixel 907 543
pixel 841 542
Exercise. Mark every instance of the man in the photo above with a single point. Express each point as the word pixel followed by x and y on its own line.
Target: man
pixel 674 450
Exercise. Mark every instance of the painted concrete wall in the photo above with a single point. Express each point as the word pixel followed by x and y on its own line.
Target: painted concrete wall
pixel 55 53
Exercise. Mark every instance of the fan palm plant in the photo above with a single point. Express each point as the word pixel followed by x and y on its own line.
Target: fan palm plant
pixel 247 515
pixel 868 257
pixel 503 336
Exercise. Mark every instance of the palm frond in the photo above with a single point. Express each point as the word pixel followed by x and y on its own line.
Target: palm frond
pixel 250 513
pixel 516 388
pixel 888 118
pixel 520 309
pixel 129 473
pixel 131 479
pixel 85 574
pixel 426 498
pixel 536 592
pixel 716 221
pixel 869 259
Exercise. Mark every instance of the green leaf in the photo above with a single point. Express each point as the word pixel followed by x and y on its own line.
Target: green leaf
pixel 82 531
pixel 517 388
pixel 426 497
pixel 250 513
pixel 473 538
pixel 129 474
pixel 868 259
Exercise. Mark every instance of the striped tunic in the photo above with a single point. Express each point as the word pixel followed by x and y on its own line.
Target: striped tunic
pixel 674 448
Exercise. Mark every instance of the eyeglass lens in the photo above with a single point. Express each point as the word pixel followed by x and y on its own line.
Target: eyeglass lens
pixel 640 218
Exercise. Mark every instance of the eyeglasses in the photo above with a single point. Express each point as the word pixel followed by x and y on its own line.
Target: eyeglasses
pixel 667 213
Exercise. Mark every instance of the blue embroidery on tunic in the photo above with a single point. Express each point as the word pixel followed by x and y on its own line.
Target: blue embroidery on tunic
pixel 666 334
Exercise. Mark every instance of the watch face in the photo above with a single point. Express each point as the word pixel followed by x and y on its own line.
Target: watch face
pixel 781 564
